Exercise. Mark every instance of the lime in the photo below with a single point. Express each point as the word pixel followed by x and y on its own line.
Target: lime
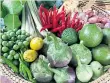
pixel 23 37
pixel 10 43
pixel 101 54
pixel 4 43
pixel 28 39
pixel 23 32
pixel 69 36
pixel 18 32
pixel 91 35
pixel 12 34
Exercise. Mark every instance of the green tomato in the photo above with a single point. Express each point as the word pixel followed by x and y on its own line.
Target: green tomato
pixel 12 34
pixel 18 32
pixel 5 49
pixel 4 43
pixel 26 43
pixel 5 54
pixel 10 43
pixel 16 62
pixel 10 57
pixel 12 52
pixel 4 37
pixel 15 47
pixel 16 56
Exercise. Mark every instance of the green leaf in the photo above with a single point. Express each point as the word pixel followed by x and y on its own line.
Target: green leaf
pixel 12 21
pixel 13 6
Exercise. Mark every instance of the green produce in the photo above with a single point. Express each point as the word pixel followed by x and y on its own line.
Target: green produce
pixel 16 62
pixel 25 71
pixel 83 72
pixel 97 69
pixel 64 75
pixel 40 70
pixel 5 55
pixel 15 47
pixel 16 56
pixel 26 43
pixel 59 54
pixel 10 64
pixel 4 43
pixel 4 37
pixel 12 52
pixel 13 7
pixel 82 52
pixel 101 54
pixel 10 43
pixel 106 38
pixel 69 36
pixel 5 49
pixel 10 57
pixel 18 32
pixel 91 35
pixel 12 21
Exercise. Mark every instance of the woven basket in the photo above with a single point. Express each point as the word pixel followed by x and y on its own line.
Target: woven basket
pixel 6 71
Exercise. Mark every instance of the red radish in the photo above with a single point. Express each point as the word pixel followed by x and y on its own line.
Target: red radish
pixel 100 25
pixel 90 13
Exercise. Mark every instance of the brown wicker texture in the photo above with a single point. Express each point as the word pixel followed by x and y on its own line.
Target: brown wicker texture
pixel 6 71
pixel 104 78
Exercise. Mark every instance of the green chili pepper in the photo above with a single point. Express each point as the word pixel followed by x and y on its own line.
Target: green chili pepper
pixel 10 64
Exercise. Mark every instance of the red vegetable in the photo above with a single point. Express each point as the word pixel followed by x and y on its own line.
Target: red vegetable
pixel 46 27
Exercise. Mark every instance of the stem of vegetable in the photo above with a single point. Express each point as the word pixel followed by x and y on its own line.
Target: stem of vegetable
pixel 78 60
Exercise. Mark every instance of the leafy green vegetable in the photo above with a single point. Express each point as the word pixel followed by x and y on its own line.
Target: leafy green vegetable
pixel 40 70
pixel 82 52
pixel 12 21
pixel 83 72
pixel 59 54
pixel 13 7
pixel 64 75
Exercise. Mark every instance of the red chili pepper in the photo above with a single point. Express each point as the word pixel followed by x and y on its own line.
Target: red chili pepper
pixel 68 20
pixel 79 28
pixel 73 19
pixel 46 27
pixel 41 18
pixel 77 23
pixel 56 29
pixel 54 17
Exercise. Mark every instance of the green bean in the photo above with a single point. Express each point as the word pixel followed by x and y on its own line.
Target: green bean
pixel 10 64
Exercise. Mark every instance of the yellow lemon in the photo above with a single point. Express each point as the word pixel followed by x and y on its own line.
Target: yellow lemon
pixel 30 55
pixel 36 43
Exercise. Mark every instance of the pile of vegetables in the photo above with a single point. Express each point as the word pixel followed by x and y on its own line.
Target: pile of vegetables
pixel 44 45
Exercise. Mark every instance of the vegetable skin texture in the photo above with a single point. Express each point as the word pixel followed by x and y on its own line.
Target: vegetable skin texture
pixel 59 54
pixel 64 75
pixel 40 70
pixel 83 72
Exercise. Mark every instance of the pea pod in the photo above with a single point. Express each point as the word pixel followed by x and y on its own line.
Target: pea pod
pixel 10 64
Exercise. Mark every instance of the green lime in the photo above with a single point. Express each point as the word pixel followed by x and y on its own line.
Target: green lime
pixel 69 36
pixel 10 57
pixel 23 32
pixel 16 56
pixel 12 52
pixel 91 35
pixel 15 47
pixel 19 37
pixel 5 49
pixel 13 38
pixel 28 39
pixel 101 54
pixel 23 37
pixel 20 44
